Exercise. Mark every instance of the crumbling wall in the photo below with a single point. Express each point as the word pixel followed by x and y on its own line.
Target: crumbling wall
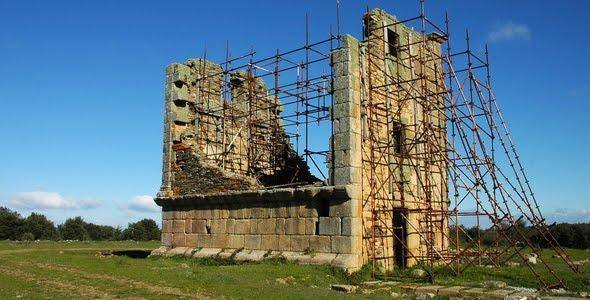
pixel 222 132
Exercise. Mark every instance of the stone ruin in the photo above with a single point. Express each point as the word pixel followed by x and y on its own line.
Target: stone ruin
pixel 235 185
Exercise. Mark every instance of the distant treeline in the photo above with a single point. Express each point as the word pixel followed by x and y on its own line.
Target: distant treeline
pixel 37 227
pixel 567 235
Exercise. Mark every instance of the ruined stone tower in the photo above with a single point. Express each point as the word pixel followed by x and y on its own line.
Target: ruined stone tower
pixel 234 182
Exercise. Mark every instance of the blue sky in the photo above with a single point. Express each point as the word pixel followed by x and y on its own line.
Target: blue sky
pixel 81 89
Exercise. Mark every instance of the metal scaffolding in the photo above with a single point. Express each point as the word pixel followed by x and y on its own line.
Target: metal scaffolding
pixel 453 163
pixel 457 144
pixel 268 107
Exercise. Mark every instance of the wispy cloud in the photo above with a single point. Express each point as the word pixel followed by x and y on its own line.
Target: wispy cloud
pixel 50 200
pixel 509 30
pixel 570 215
pixel 143 203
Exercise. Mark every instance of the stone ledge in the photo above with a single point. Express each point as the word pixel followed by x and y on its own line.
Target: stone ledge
pixel 345 261
pixel 339 193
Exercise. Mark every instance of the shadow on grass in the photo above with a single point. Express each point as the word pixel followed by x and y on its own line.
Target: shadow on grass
pixel 137 254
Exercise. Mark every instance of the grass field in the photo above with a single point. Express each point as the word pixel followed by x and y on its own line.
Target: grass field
pixel 78 270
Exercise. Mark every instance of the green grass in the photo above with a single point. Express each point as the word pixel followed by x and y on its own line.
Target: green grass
pixel 520 276
pixel 75 270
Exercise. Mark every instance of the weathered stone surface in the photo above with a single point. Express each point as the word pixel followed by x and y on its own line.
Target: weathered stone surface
pixel 242 227
pixel 219 240
pixel 178 239
pixel 269 242
pixel 294 226
pixel 451 291
pixel 167 239
pixel 299 243
pixel 250 255
pixel 474 292
pixel 178 226
pixel 329 225
pixel 344 288
pixel 198 226
pixel 206 252
pixel 252 241
pixel 352 226
pixel 236 241
pixel 496 284
pixel 218 226
pixel 159 251
pixel 320 243
pixel 345 244
pixel 499 294
pixel 284 242
pixel 177 251
pixel 267 226
pixel 428 289
pixel 167 226
pixel 191 240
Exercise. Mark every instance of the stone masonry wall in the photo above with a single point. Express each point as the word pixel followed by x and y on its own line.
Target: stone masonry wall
pixel 403 116
pixel 311 225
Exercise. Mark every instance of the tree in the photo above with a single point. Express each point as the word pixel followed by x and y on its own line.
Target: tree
pixel 144 230
pixel 74 229
pixel 40 227
pixel 102 232
pixel 11 224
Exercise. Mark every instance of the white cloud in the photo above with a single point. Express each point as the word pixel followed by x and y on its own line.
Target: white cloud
pixel 509 31
pixel 49 200
pixel 144 203
pixel 570 215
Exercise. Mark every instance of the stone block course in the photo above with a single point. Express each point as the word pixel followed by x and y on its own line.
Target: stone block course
pixel 166 226
pixel 329 226
pixel 294 226
pixel 242 226
pixel 191 240
pixel 269 242
pixel 178 239
pixel 267 226
pixel 284 243
pixel 299 243
pixel 310 226
pixel 252 241
pixel 236 241
pixel 352 226
pixel 346 244
pixel 320 243
pixel 178 226
pixel 218 226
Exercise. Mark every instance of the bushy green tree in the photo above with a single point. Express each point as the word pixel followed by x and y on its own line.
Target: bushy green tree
pixel 40 227
pixel 144 230
pixel 11 224
pixel 74 229
pixel 102 232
